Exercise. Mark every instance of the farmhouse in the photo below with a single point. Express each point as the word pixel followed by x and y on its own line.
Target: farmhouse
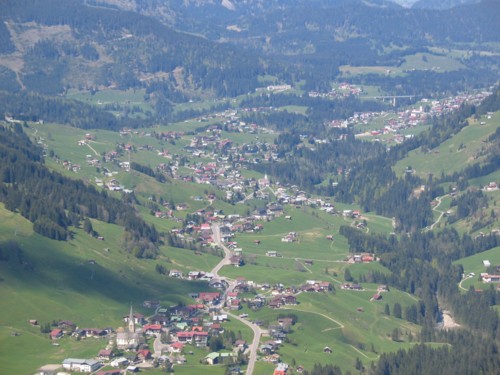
pixel 209 297
pixel 105 354
pixel 214 357
pixel 81 365
pixel 490 278
pixel 56 334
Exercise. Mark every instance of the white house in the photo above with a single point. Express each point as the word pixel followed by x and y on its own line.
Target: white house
pixel 81 365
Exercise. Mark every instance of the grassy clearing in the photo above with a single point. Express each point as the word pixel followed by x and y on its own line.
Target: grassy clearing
pixel 420 61
pixel 474 264
pixel 128 98
pixel 426 61
pixel 452 155
pixel 333 320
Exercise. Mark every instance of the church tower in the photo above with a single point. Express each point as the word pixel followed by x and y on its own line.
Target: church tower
pixel 131 322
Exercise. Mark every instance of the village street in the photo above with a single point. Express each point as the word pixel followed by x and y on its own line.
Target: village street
pixel 252 349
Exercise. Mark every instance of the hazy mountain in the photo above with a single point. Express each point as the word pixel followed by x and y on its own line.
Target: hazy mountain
pixel 50 46
pixel 442 4
pixel 178 49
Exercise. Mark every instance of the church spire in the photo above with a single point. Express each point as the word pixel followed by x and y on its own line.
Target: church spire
pixel 131 321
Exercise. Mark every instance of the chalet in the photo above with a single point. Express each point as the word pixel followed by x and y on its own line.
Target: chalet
pixel 144 355
pixel 185 337
pixel 200 339
pixel 176 347
pixel 119 362
pixel 193 275
pixel 232 295
pixel 281 369
pixel 490 278
pixel 151 329
pixel 256 304
pixel 159 319
pixel 94 332
pixel 105 354
pixel 377 297
pixel 209 297
pixel 66 326
pixel 366 258
pixel 56 334
pixel 220 318
pixel 266 349
pixel 289 299
pixel 328 350
pixel 240 345
pixel 275 303
pixel 236 260
pixel 234 304
pixel 216 328
pixel 214 358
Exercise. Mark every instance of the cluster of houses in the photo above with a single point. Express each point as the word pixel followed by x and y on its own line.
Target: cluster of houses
pixel 487 278
pixel 344 90
pixel 394 125
pixel 181 325
pixel 361 258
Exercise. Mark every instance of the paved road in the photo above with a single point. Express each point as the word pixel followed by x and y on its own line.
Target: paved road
pixel 252 358
pixel 257 333
pixel 157 346
pixel 227 253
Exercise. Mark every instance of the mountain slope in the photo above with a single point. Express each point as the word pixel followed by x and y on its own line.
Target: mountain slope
pixel 441 4
pixel 55 45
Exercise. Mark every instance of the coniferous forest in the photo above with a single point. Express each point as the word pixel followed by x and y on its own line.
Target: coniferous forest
pixel 256 149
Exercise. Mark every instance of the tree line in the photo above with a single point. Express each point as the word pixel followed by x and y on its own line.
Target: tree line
pixel 54 203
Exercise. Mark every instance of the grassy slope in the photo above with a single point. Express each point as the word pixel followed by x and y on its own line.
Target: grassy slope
pixel 450 156
pixel 361 329
pixel 475 265
pixel 61 284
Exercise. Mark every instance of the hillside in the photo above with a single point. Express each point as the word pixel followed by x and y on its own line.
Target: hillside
pixel 432 4
pixel 51 47
pixel 209 50
pixel 249 186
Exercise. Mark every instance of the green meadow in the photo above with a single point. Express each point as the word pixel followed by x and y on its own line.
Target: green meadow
pixel 346 321
pixel 474 264
pixel 128 98
pixel 463 149
pixel 88 281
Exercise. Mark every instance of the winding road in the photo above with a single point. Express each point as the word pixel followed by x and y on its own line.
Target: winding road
pixel 257 332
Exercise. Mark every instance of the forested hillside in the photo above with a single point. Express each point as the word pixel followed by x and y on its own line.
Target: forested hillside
pixel 328 169
pixel 54 203
pixel 65 44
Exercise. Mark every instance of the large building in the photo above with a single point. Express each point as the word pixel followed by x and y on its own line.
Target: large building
pixel 81 365
pixel 131 337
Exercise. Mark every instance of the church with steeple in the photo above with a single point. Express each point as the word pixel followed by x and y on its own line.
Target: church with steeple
pixel 130 337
